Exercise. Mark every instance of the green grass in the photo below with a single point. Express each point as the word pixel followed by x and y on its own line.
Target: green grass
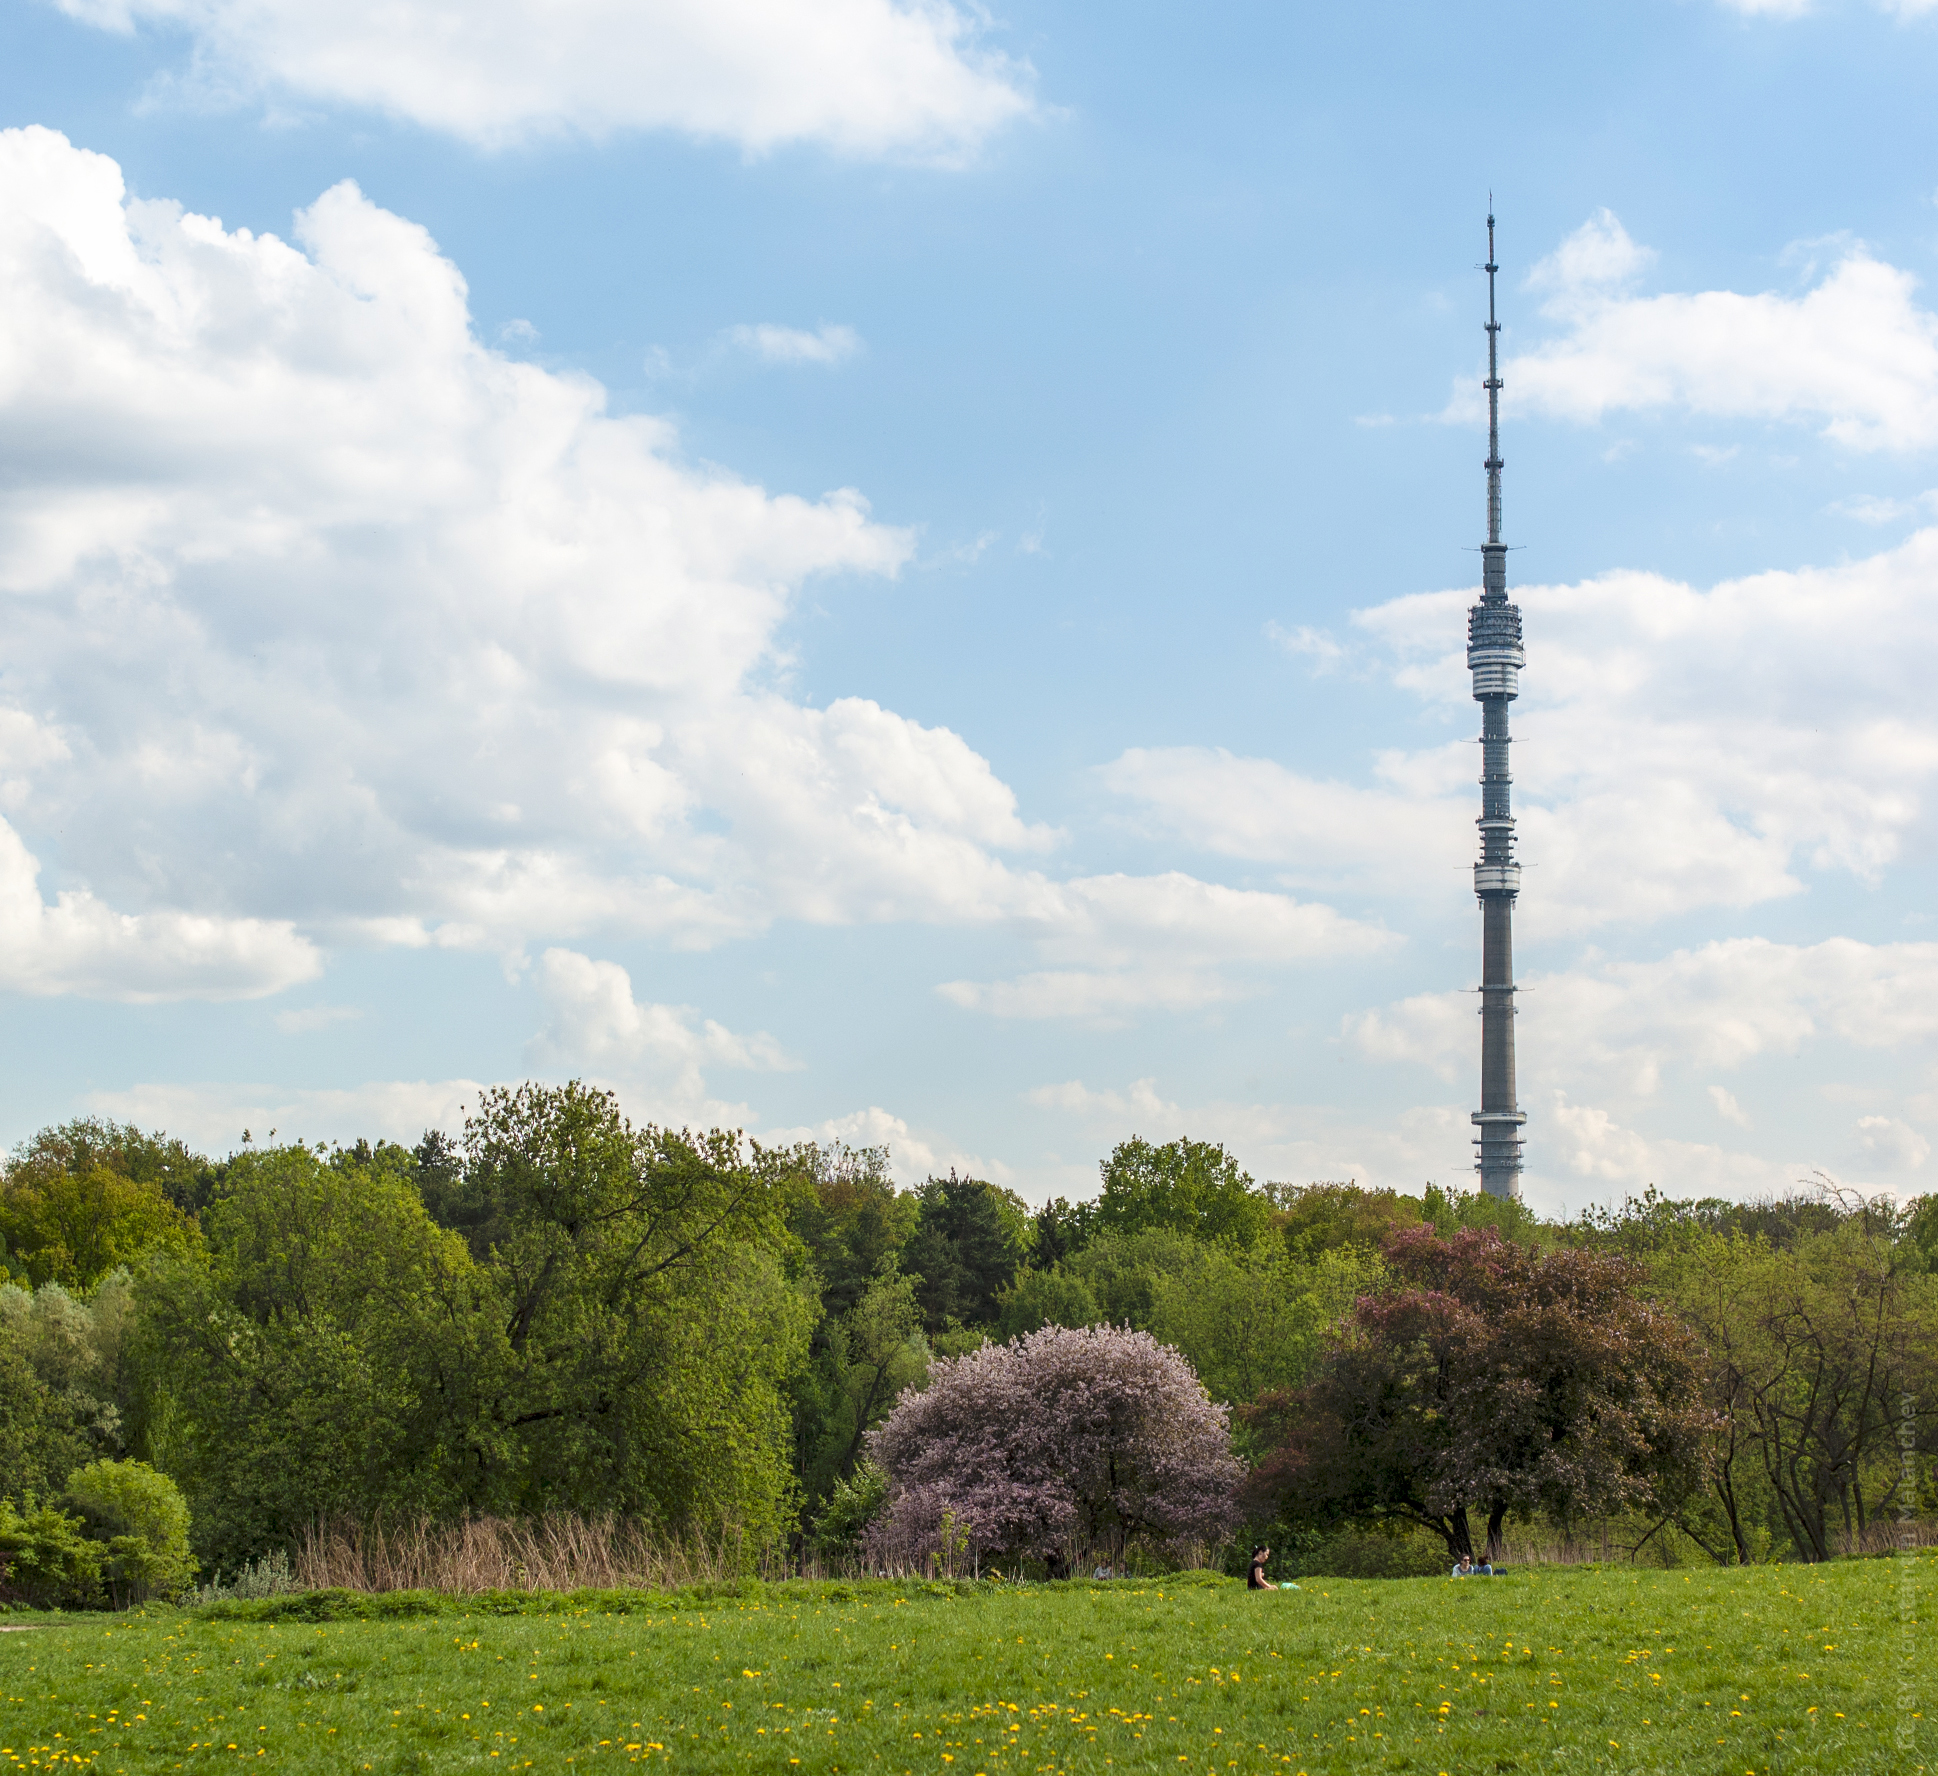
pixel 1773 1669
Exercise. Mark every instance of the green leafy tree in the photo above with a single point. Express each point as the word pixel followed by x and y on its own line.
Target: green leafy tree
pixel 1490 1378
pixel 142 1519
pixel 331 1352
pixel 46 1558
pixel 1125 1272
pixel 1814 1352
pixel 1039 1298
pixel 1450 1211
pixel 604 1322
pixel 1711 1280
pixel 1315 1218
pixel 854 1503
pixel 851 1219
pixel 438 1167
pixel 44 1432
pixel 1253 1320
pixel 75 1342
pixel 1819 1315
pixel 852 1223
pixel 874 1352
pixel 648 1325
pixel 1062 1229
pixel 74 1226
pixel 1653 1223
pixel 1192 1187
pixel 970 1239
pixel 188 1179
pixel 1920 1234
pixel 63 1381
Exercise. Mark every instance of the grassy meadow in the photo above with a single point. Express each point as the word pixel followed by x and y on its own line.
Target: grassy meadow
pixel 1765 1669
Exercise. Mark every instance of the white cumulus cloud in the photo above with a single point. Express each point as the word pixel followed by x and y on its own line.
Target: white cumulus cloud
pixel 1605 1159
pixel 658 1054
pixel 1727 1107
pixel 1306 642
pixel 1629 1024
pixel 453 655
pixel 913 1154
pixel 1855 354
pixel 80 946
pixel 863 77
pixel 1675 749
pixel 1891 1144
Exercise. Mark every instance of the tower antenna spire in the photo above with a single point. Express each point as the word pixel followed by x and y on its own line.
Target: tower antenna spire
pixel 1495 657
pixel 1493 399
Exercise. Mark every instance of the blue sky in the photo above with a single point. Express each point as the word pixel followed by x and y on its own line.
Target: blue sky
pixel 897 574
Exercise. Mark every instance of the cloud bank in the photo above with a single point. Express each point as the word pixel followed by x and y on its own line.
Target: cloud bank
pixel 330 624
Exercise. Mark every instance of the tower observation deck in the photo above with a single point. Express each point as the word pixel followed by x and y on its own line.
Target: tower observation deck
pixel 1495 658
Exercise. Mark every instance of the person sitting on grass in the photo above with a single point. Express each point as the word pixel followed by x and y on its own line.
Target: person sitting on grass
pixel 1255 1580
pixel 1464 1567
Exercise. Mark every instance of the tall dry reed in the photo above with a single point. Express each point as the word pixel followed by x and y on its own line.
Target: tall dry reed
pixel 1886 1537
pixel 565 1552
pixel 561 1552
pixel 1609 1542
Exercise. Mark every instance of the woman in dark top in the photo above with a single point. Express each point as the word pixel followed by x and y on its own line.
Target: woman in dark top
pixel 1255 1579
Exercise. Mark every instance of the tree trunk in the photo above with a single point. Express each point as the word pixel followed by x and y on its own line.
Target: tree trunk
pixel 1725 1483
pixel 1496 1516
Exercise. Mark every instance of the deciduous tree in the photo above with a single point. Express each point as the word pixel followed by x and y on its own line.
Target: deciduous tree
pixel 1069 1439
pixel 646 1321
pixel 1039 1298
pixel 1251 1320
pixel 74 1226
pixel 874 1352
pixel 1315 1218
pixel 1193 1187
pixel 1491 1379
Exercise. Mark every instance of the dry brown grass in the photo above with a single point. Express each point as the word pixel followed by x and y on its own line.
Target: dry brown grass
pixel 1603 1543
pixel 565 1552
pixel 1887 1537
pixel 562 1552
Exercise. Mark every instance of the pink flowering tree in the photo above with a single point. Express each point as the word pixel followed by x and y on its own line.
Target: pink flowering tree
pixel 1066 1442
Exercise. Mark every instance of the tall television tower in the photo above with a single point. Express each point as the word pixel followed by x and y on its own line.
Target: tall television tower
pixel 1495 658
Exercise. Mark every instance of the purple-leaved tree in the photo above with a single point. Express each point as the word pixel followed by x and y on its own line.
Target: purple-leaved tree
pixel 1077 1442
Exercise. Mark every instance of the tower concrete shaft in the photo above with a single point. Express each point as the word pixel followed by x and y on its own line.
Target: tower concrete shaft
pixel 1495 658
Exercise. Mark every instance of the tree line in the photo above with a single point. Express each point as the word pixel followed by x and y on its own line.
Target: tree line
pixel 560 1311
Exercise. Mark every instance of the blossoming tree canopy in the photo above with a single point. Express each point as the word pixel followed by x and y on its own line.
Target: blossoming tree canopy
pixel 1073 1440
